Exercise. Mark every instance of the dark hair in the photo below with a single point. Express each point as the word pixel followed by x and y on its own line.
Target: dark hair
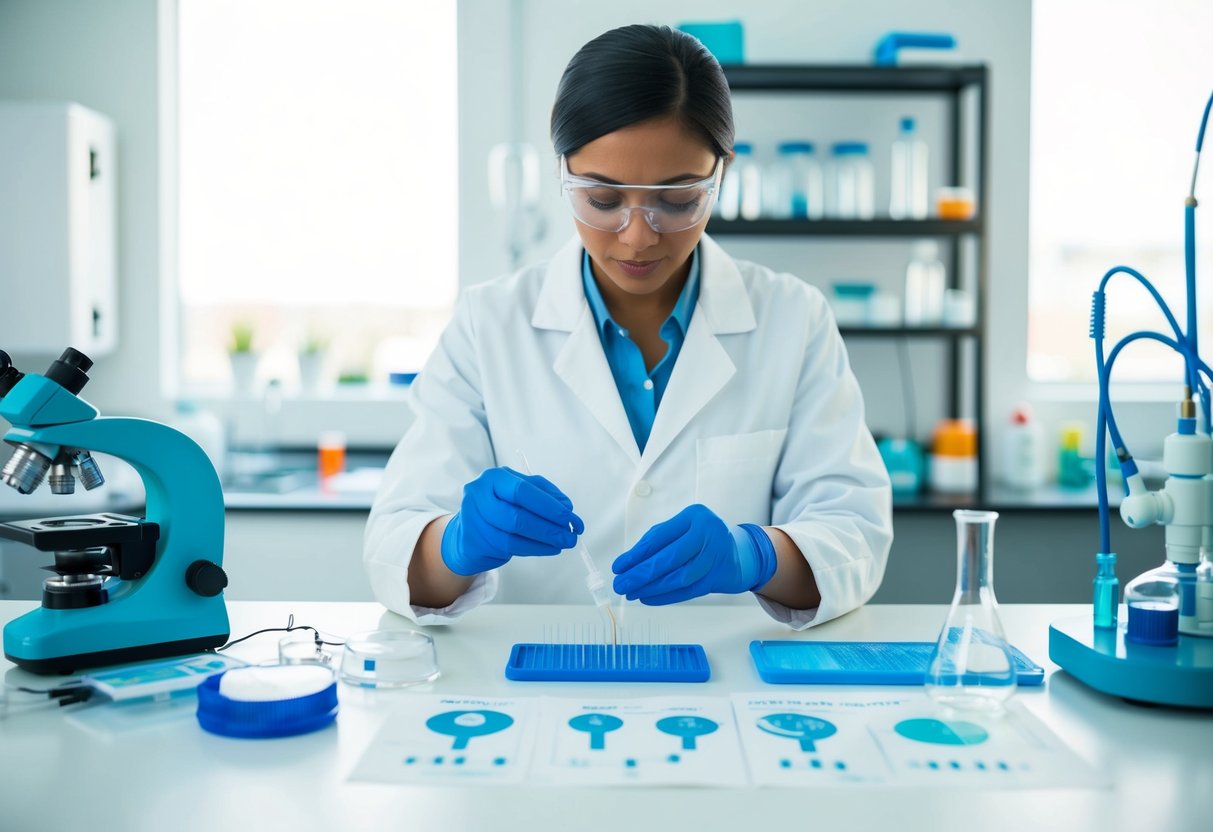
pixel 635 73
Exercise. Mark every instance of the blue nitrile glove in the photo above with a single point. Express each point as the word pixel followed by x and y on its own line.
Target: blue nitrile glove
pixel 692 554
pixel 503 514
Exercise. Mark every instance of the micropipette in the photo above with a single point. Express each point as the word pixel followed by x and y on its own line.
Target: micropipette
pixel 593 578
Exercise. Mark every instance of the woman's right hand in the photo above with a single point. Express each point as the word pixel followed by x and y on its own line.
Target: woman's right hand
pixel 506 514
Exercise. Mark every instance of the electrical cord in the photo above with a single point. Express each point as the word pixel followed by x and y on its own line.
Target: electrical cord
pixel 66 694
pixel 289 628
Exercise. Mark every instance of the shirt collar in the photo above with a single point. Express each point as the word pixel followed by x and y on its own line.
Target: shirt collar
pixel 683 307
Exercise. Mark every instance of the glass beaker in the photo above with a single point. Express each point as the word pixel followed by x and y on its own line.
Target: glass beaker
pixel 971 666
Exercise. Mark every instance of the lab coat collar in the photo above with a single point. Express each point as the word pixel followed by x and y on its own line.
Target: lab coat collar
pixel 723 299
pixel 703 365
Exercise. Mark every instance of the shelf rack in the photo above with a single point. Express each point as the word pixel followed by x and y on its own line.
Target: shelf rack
pixel 953 83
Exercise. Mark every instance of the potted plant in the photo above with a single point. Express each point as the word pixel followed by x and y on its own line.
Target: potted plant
pixel 243 358
pixel 313 356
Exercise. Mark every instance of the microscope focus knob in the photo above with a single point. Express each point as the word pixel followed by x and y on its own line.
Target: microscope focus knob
pixel 205 578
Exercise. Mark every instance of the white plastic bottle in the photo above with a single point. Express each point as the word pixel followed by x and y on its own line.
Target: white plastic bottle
pixel 792 185
pixel 852 185
pixel 728 205
pixel 1022 451
pixel 908 182
pixel 926 281
pixel 749 175
pixel 777 180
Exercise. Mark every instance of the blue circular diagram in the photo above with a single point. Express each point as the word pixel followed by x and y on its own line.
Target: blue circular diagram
pixel 464 725
pixel 806 729
pixel 597 726
pixel 689 728
pixel 938 732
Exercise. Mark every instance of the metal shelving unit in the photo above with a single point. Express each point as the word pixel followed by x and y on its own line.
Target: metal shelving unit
pixel 844 228
pixel 952 83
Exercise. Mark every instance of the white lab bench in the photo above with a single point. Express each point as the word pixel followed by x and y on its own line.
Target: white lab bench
pixel 58 774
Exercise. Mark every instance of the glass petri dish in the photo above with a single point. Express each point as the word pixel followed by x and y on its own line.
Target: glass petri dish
pixel 389 659
pixel 301 647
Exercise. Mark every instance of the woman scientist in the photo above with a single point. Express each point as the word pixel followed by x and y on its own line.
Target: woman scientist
pixel 692 417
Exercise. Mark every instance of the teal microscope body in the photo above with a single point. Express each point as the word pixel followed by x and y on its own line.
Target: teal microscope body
pixel 149 602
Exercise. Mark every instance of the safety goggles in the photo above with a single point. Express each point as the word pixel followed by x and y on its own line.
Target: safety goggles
pixel 666 208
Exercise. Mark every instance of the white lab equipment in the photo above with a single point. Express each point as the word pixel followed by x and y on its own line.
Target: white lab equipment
pixel 521 366
pixel 1022 450
pixel 728 203
pixel 777 187
pixel 1164 655
pixel 749 179
pixel 1182 506
pixel 852 187
pixel 959 308
pixel 908 182
pixel 850 302
pixel 925 285
pixel 58 192
pixel 514 191
pixel 741 186
pixel 807 181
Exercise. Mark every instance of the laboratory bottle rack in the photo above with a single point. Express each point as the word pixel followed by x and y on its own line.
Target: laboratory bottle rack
pixel 960 87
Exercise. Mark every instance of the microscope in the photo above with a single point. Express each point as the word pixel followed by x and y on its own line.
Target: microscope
pixel 125 589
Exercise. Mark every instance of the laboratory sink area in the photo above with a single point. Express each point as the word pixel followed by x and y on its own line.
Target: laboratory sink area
pixel 291 480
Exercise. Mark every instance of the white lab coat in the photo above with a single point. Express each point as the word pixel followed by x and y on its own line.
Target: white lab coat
pixel 762 421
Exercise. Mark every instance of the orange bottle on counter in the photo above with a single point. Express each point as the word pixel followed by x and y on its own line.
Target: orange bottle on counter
pixel 330 458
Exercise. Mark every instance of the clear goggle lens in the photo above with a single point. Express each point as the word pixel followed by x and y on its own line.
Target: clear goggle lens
pixel 666 208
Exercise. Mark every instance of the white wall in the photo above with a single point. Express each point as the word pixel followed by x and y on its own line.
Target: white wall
pixel 106 56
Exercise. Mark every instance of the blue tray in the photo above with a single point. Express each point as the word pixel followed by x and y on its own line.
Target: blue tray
pixel 860 662
pixel 608 663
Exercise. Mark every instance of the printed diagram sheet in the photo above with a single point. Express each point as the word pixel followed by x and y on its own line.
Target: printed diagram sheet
pixel 655 741
pixel 452 740
pixel 900 740
pixel 837 739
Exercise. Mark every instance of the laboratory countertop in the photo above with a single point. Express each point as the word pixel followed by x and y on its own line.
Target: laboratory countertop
pixel 59 771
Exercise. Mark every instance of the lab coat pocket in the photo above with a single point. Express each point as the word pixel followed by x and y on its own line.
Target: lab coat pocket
pixel 735 474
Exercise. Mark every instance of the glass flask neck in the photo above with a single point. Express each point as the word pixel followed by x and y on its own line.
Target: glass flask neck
pixel 975 554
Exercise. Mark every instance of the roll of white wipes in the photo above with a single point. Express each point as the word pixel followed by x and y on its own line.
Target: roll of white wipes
pixel 274 682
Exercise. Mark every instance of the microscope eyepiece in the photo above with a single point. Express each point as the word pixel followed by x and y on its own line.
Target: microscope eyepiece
pixel 9 375
pixel 70 370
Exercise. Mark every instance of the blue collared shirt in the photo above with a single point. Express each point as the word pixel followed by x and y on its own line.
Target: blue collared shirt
pixel 639 389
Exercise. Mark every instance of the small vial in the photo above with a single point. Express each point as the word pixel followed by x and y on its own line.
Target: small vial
pixel 330 454
pixel 1107 591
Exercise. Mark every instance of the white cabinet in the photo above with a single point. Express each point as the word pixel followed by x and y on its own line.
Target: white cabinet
pixel 58 260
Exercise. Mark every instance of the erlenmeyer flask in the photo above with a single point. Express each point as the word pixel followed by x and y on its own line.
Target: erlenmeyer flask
pixel 971 666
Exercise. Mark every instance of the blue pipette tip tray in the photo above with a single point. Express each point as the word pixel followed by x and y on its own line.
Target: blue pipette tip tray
pixel 860 662
pixel 608 663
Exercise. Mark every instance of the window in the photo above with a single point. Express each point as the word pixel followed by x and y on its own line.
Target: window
pixel 1118 88
pixel 318 184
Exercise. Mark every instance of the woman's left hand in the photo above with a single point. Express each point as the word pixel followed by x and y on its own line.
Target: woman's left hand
pixel 692 554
